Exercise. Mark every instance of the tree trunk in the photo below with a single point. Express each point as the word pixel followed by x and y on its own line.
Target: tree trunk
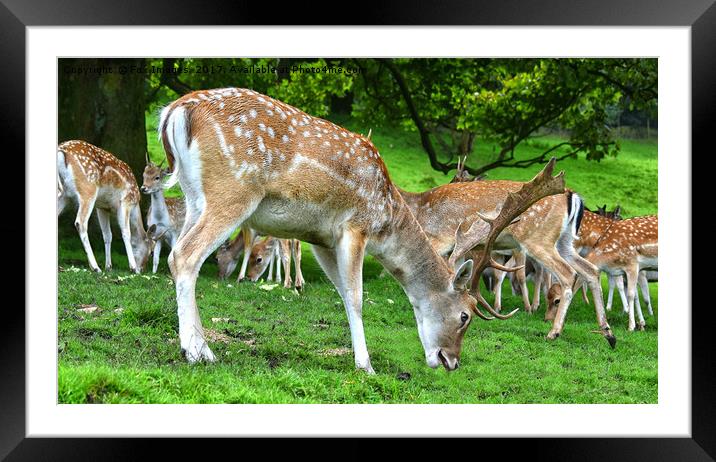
pixel 105 109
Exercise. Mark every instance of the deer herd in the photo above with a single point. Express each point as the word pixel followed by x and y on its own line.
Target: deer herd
pixel 247 161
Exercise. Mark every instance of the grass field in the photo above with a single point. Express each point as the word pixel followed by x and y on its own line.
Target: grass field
pixel 118 339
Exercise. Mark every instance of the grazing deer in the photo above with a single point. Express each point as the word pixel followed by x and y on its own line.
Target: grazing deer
pixel 228 254
pixel 627 247
pixel 270 250
pixel 245 159
pixel 594 226
pixel 165 213
pixel 545 232
pixel 96 179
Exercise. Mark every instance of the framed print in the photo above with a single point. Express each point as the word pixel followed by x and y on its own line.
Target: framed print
pixel 284 155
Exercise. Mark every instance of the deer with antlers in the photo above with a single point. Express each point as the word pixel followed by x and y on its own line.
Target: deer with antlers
pixel 166 214
pixel 95 179
pixel 243 158
pixel 545 232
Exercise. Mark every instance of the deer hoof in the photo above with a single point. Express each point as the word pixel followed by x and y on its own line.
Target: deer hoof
pixel 367 369
pixel 195 355
pixel 552 335
pixel 108 268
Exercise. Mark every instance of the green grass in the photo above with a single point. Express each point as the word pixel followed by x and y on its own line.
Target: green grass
pixel 281 347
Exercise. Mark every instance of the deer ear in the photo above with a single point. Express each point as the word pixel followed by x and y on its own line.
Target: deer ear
pixel 462 276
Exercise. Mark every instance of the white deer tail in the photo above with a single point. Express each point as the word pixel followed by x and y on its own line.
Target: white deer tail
pixel 174 134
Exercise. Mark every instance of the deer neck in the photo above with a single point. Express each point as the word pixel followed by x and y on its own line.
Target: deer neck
pixel 407 254
pixel 159 206
pixel 136 224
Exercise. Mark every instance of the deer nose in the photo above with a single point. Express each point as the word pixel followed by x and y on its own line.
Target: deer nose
pixel 444 359
pixel 143 189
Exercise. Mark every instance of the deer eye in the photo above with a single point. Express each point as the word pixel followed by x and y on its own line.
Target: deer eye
pixel 156 178
pixel 556 302
pixel 259 259
pixel 464 317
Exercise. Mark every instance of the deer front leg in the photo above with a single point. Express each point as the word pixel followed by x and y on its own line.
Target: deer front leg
pixel 296 247
pixel 497 288
pixel 539 272
pixel 124 226
pixel 621 286
pixel 285 257
pixel 521 275
pixel 156 255
pixel 344 267
pixel 103 218
pixel 610 294
pixel 83 214
pixel 248 235
pixel 272 258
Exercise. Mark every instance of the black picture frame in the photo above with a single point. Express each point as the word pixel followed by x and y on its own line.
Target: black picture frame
pixel 700 15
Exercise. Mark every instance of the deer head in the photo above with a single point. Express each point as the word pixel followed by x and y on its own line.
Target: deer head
pixel 143 245
pixel 554 295
pixel 484 231
pixel 153 176
pixel 261 257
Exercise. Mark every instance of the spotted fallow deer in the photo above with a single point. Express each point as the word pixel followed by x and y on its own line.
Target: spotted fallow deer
pixel 272 250
pixel 545 232
pixel 165 213
pixel 243 158
pixel 595 227
pixel 628 247
pixel 95 179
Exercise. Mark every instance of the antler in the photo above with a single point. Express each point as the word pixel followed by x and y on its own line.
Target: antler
pixel 370 132
pixel 486 230
pixel 146 157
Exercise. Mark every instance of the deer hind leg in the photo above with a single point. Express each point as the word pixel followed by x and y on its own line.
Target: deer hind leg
pixel 591 274
pixel 285 260
pixel 212 228
pixel 249 235
pixel 348 273
pixel 644 286
pixel 296 248
pixel 83 213
pixel 103 218
pixel 272 258
pixel 632 275
pixel 549 258
pixel 61 201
